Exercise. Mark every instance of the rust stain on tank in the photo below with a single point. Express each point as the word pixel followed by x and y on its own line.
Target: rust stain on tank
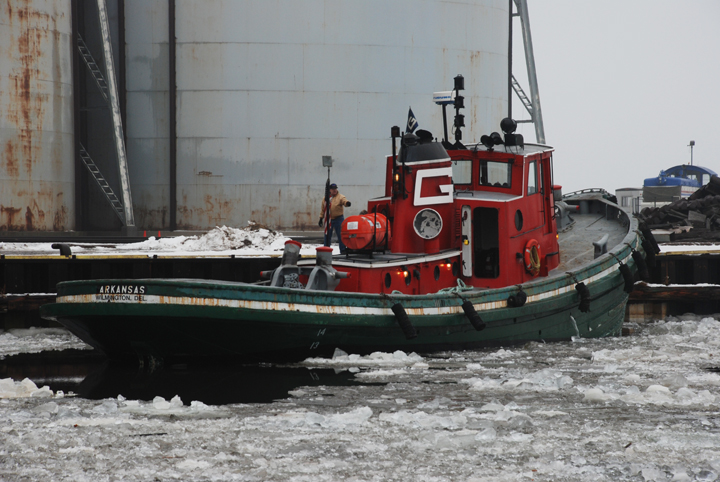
pixel 216 212
pixel 9 214
pixel 32 111
pixel 34 216
pixel 25 103
pixel 60 219
pixel 28 219
pixel 10 159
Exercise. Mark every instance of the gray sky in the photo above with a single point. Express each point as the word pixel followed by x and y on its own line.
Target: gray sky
pixel 624 86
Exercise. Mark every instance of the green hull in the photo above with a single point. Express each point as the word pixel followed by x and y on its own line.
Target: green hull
pixel 198 332
pixel 194 319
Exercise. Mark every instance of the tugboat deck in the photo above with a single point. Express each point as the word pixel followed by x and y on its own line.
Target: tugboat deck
pixel 576 242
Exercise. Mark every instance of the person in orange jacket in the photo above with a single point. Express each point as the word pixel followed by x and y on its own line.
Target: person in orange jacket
pixel 337 205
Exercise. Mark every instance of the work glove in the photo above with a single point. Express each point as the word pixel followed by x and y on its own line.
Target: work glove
pixel 320 223
pixel 348 204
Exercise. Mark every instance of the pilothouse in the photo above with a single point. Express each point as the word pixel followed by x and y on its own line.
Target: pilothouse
pixel 486 210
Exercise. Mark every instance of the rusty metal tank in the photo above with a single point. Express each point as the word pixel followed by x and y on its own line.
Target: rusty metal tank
pixel 263 92
pixel 37 176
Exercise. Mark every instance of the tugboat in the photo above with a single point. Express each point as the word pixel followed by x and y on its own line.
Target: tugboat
pixel 471 246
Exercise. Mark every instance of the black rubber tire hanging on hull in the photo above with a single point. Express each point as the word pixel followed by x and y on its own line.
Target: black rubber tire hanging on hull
pixel 584 293
pixel 648 235
pixel 650 255
pixel 627 276
pixel 472 315
pixel 517 300
pixel 641 265
pixel 404 321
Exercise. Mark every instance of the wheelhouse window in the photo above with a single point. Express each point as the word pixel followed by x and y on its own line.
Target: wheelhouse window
pixel 495 174
pixel 532 186
pixel 462 171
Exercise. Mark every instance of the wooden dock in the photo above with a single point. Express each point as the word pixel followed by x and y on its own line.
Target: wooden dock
pixel 682 280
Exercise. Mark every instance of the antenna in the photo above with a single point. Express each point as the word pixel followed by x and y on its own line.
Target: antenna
pixel 459 104
pixel 692 144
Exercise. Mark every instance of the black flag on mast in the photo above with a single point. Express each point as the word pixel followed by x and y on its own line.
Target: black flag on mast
pixel 412 122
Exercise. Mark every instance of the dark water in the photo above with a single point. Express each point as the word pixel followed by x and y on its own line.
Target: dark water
pixel 89 375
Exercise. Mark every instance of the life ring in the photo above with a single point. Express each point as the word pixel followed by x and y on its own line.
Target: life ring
pixel 532 257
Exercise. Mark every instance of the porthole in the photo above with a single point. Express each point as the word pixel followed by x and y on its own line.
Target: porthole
pixel 436 272
pixel 518 220
pixel 388 280
pixel 456 269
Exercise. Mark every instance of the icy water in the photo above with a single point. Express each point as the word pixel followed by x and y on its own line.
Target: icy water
pixel 639 408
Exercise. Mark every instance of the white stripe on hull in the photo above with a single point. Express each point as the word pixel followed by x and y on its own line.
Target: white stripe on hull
pixel 312 308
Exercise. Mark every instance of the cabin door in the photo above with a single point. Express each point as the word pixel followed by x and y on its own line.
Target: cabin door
pixel 466 217
pixel 486 246
pixel 547 193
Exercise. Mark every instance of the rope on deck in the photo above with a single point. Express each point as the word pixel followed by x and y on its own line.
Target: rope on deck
pixel 461 286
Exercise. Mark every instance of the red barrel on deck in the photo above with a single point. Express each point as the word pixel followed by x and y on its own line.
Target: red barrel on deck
pixel 358 231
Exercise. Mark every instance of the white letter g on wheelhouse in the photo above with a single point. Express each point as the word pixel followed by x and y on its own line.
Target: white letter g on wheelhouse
pixel 446 189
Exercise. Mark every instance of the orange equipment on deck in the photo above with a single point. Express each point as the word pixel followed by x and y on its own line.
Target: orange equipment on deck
pixel 358 231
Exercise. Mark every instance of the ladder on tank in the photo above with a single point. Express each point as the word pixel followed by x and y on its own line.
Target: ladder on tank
pixel 93 68
pixel 523 98
pixel 103 184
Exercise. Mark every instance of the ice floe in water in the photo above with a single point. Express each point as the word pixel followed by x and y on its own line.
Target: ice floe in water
pixel 9 388
pixel 545 379
pixel 35 340
pixel 638 408
pixel 377 359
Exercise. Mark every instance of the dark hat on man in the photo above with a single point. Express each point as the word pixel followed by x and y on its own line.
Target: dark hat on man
pixel 333 186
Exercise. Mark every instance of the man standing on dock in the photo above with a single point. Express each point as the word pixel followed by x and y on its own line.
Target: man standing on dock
pixel 332 214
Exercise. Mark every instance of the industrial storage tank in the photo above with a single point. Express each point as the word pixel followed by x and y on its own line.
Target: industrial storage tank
pixel 37 175
pixel 265 89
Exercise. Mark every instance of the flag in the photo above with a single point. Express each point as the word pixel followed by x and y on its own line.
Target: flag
pixel 412 122
pixel 326 214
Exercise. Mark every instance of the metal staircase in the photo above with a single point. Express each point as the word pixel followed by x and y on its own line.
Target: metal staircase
pixel 93 68
pixel 523 98
pixel 103 184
